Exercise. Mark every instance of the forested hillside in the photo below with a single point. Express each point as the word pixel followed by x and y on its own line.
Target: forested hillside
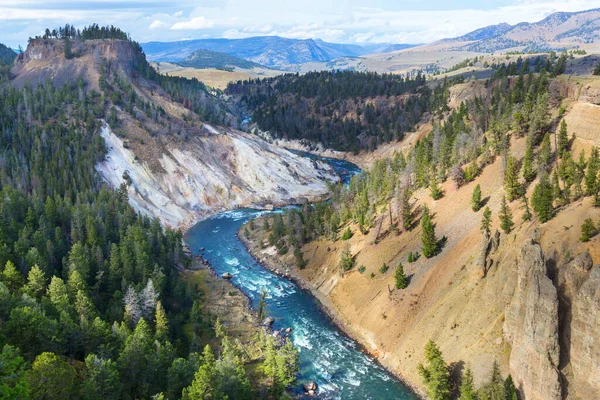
pixel 92 303
pixel 402 263
pixel 343 110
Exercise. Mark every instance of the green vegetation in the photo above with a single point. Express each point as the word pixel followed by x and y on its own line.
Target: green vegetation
pixel 476 198
pixel 588 230
pixel 346 260
pixel 338 109
pixel 435 373
pixel 486 222
pixel 400 280
pixel 429 242
pixel 92 303
pixel 506 222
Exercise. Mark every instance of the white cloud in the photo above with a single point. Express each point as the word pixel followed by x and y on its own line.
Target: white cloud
pixel 158 24
pixel 178 14
pixel 193 24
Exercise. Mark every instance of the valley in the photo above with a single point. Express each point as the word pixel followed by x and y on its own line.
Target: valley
pixel 274 217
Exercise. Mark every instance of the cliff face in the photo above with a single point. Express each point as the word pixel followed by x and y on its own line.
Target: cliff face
pixel 531 326
pixel 207 174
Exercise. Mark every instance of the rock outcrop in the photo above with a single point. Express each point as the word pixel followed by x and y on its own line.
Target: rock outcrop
pixel 219 171
pixel 585 338
pixel 531 326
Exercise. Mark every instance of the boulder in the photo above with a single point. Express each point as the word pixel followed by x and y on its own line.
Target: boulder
pixel 227 275
pixel 531 327
pixel 311 387
pixel 268 322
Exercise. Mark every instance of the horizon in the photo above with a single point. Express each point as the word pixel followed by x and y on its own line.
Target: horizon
pixel 403 22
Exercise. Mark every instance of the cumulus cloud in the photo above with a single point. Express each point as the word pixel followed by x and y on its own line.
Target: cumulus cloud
pixel 157 24
pixel 193 24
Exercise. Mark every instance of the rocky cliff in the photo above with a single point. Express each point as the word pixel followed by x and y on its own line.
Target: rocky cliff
pixel 531 327
pixel 222 170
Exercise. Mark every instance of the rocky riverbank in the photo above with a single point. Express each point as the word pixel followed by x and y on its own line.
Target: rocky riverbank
pixel 271 261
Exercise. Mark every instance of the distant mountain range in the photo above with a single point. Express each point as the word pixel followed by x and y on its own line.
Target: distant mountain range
pixel 202 59
pixel 270 51
pixel 558 31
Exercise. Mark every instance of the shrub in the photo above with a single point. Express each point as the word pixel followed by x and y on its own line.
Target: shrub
pixel 347 234
pixel 588 230
pixel 383 269
pixel 362 269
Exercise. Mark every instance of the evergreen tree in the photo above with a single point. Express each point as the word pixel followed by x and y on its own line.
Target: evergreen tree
pixel 207 381
pixel 346 260
pixel 476 198
pixel 506 222
pixel 563 138
pixel 486 221
pixel 101 380
pixel 513 188
pixel 52 378
pixel 592 182
pixel 434 189
pixel 36 282
pixel 467 387
pixel 542 200
pixel 527 168
pixel 161 323
pixel 435 374
pixel 261 310
pixel 493 389
pixel 429 242
pixel 510 391
pixel 14 384
pixel 588 230
pixel 399 277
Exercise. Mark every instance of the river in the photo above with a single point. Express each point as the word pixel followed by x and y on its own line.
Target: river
pixel 327 356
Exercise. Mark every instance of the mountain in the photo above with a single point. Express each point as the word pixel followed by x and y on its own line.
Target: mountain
pixel 558 31
pixel 270 51
pixel 169 139
pixel 213 59
pixel 7 55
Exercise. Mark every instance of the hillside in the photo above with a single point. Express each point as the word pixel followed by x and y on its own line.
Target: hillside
pixel 7 55
pixel 178 164
pixel 521 295
pixel 212 59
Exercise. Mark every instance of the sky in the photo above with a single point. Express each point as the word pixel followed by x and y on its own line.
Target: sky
pixel 341 21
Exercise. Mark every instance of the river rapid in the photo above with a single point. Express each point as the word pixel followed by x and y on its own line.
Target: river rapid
pixel 327 356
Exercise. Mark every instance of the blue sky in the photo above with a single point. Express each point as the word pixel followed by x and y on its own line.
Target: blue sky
pixel 346 21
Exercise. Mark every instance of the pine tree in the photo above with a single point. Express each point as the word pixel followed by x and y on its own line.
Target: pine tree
pixel 511 179
pixel 407 214
pixel 400 278
pixel 429 241
pixel 510 391
pixel 506 222
pixel 467 387
pixel 207 382
pixel 435 373
pixel 434 189
pixel 476 198
pixel 493 389
pixel 542 200
pixel 486 221
pixel 592 183
pixel 563 138
pixel 261 310
pixel 161 322
pixel 36 282
pixel 527 168
pixel 588 230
